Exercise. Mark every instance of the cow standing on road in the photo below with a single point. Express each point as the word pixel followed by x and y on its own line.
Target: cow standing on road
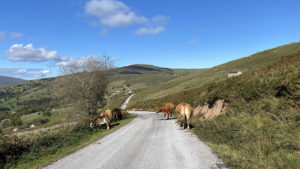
pixel 184 112
pixel 166 109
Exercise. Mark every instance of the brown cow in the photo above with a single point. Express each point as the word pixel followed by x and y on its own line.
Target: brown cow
pixel 116 114
pixel 184 112
pixel 166 109
pixel 98 121
pixel 107 113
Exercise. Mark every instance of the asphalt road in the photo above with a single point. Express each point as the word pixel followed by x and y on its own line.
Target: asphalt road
pixel 147 142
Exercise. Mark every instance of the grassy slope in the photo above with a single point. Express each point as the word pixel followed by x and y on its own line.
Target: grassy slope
pixel 260 128
pixel 215 74
pixel 139 76
pixel 16 98
pixel 30 97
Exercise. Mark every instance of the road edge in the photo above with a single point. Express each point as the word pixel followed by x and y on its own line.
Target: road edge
pixel 49 159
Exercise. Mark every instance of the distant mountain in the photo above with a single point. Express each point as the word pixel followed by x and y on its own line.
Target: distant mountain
pixel 5 81
pixel 140 75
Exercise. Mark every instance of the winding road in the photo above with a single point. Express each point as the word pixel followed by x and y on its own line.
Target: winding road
pixel 147 142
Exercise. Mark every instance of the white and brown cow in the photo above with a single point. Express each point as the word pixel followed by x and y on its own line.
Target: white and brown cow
pixel 98 121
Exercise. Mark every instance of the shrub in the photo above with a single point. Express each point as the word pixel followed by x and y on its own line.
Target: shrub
pixel 16 120
pixel 5 123
pixel 46 113
pixel 12 149
pixel 36 121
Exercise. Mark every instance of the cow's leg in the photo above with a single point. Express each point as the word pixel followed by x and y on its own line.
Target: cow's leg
pixel 164 116
pixel 167 115
pixel 181 118
pixel 107 126
pixel 184 122
pixel 188 123
pixel 171 115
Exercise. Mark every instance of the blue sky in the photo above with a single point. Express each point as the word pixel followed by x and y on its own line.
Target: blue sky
pixel 36 36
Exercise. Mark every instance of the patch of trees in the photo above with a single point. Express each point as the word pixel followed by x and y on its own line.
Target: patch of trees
pixel 84 82
pixel 36 105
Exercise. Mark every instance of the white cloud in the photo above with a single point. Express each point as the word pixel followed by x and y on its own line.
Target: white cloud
pixel 22 70
pixel 150 31
pixel 113 13
pixel 2 36
pixel 84 62
pixel 19 52
pixel 42 73
pixel 79 62
pixel 24 73
pixel 16 34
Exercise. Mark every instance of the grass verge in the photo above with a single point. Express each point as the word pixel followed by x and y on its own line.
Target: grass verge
pixel 43 150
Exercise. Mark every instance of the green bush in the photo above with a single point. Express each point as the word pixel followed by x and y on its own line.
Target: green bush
pixel 46 113
pixel 16 120
pixel 36 121
pixel 5 123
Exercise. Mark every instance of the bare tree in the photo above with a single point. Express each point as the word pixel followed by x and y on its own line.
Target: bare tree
pixel 84 82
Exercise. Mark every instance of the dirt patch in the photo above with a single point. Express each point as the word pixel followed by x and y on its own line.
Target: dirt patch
pixel 209 112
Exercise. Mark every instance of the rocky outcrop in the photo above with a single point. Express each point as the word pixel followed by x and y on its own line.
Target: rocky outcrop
pixel 208 112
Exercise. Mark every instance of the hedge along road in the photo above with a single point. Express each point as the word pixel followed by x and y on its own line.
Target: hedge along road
pixel 147 142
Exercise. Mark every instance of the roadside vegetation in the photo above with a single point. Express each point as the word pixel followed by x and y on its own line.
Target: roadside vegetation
pixel 36 151
pixel 260 128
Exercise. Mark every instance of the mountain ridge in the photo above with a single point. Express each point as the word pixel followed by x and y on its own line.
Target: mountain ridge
pixel 5 80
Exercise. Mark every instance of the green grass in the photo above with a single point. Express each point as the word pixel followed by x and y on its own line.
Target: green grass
pixel 260 128
pixel 57 144
pixel 140 76
pixel 218 73
pixel 30 116
pixel 117 101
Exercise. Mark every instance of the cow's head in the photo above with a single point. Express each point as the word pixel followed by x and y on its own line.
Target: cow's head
pixel 157 110
pixel 92 124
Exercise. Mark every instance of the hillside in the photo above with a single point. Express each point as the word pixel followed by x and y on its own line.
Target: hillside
pixel 139 76
pixel 5 81
pixel 36 101
pixel 217 73
pixel 258 126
